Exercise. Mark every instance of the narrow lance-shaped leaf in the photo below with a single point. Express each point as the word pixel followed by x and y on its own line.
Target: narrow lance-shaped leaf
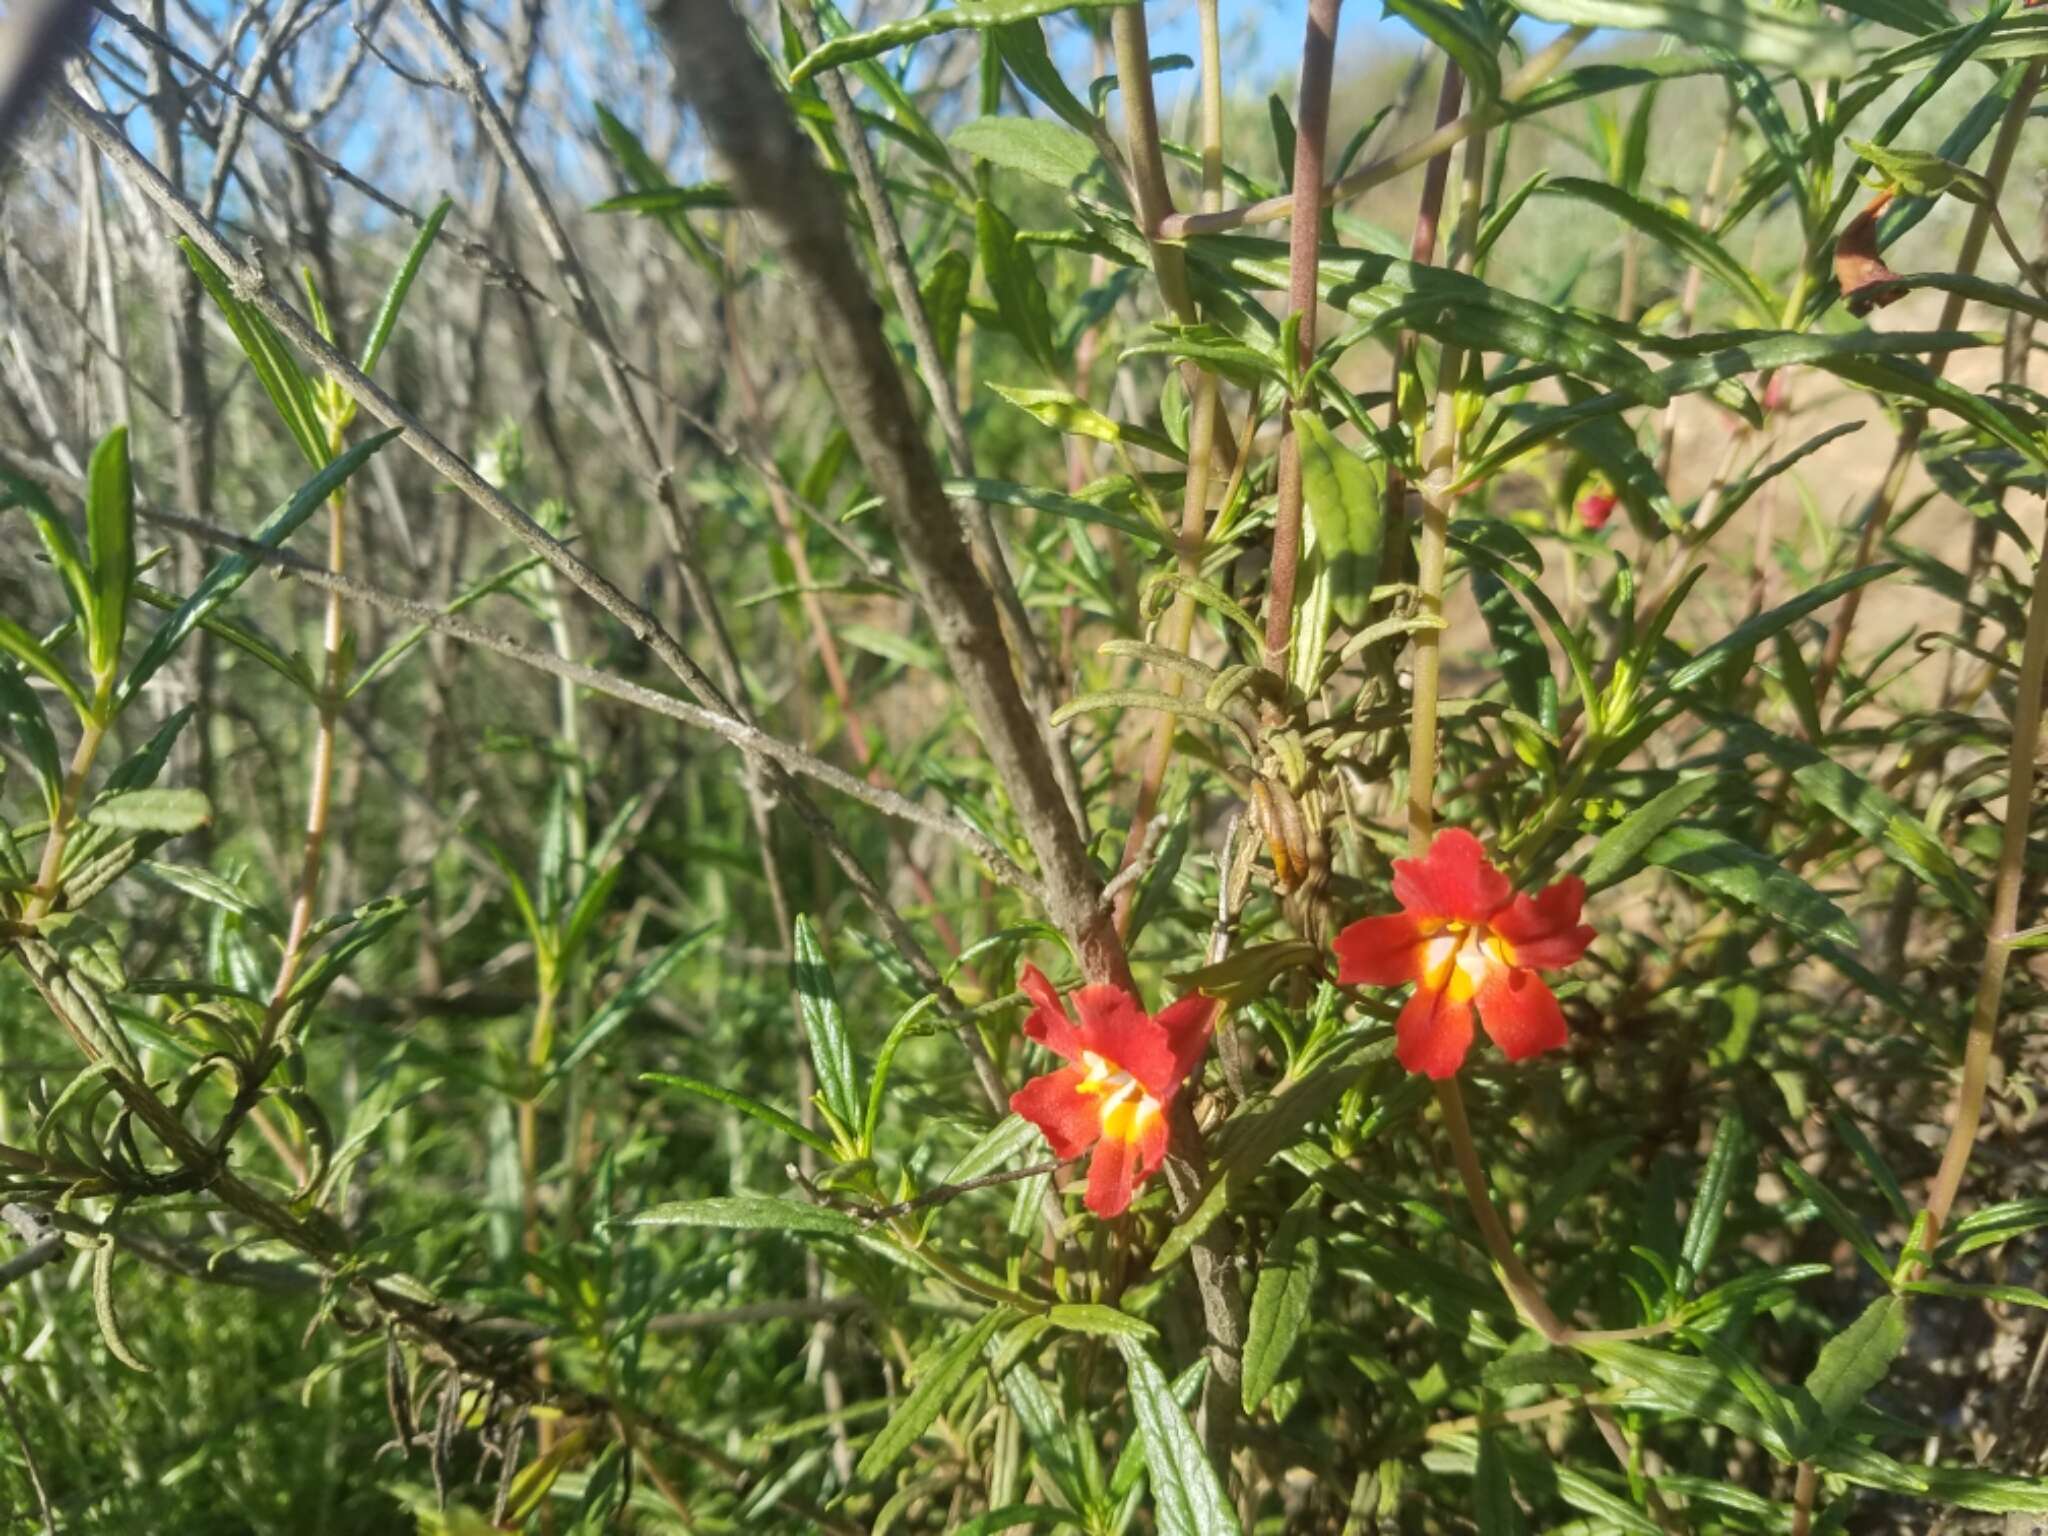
pixel 232 570
pixel 23 715
pixel 1622 845
pixel 1851 1364
pixel 172 811
pixel 1047 152
pixel 401 285
pixel 1804 41
pixel 110 536
pixel 825 1024
pixel 767 1114
pixel 937 1382
pixel 748 1213
pixel 1710 1202
pixel 1344 495
pixel 290 391
pixel 58 541
pixel 1188 1499
pixel 1280 1301
pixel 33 654
pixel 1680 235
pixel 1013 283
pixel 944 18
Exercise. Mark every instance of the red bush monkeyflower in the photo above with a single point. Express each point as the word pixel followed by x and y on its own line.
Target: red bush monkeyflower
pixel 1465 937
pixel 1123 1068
pixel 1595 507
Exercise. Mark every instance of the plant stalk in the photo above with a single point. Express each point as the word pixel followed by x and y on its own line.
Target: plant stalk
pixel 1312 129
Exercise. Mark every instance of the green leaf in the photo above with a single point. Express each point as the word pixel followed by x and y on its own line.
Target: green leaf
pixel 23 714
pixel 110 536
pixel 401 285
pixel 825 1024
pixel 1902 375
pixel 769 1116
pixel 1993 1224
pixel 655 197
pixel 938 1378
pixel 1681 1384
pixel 1100 1321
pixel 232 570
pixel 1800 41
pixel 1619 848
pixel 666 199
pixel 1386 293
pixel 1013 282
pixel 1466 537
pixel 1021 46
pixel 1923 174
pixel 1681 236
pixel 1039 1517
pixel 944 18
pixel 1851 1364
pixel 1718 864
pixel 1460 32
pixel 1006 493
pixel 1493 1495
pixel 1345 497
pixel 173 811
pixel 1069 413
pixel 623 1005
pixel 103 1306
pixel 1261 1129
pixel 1727 1163
pixel 2011 1295
pixel 944 296
pixel 33 654
pixel 1046 151
pixel 59 543
pixel 290 391
pixel 1188 1500
pixel 1997 1493
pixel 748 1213
pixel 1281 1299
pixel 1836 1214
pixel 1863 807
pixel 1732 356
pixel 215 890
pixel 1008 1137
pixel 1747 636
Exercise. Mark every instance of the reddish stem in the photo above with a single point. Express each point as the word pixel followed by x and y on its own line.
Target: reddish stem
pixel 1312 129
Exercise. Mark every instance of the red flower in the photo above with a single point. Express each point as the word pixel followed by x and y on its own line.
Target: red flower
pixel 1595 507
pixel 1467 938
pixel 1123 1068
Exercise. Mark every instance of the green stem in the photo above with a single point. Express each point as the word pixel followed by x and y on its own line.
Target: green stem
pixel 2005 900
pixel 48 875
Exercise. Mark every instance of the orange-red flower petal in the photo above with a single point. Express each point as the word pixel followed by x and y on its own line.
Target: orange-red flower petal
pixel 1544 930
pixel 1115 1028
pixel 1049 1024
pixel 1520 1013
pixel 1380 951
pixel 1188 1022
pixel 1472 944
pixel 1453 880
pixel 1070 1119
pixel 1433 1033
pixel 1122 1163
pixel 1125 1068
